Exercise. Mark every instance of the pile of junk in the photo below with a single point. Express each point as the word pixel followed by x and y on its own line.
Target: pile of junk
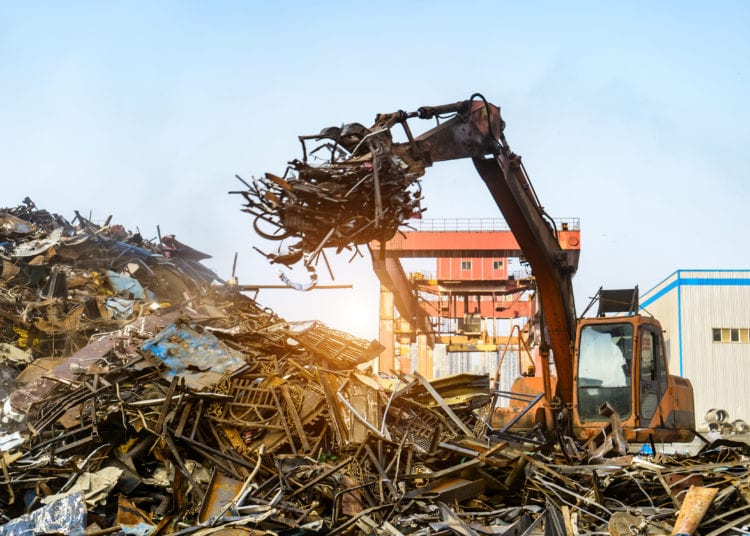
pixel 142 394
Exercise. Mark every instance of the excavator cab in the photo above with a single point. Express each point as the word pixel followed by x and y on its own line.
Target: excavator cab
pixel 605 362
pixel 620 371
pixel 621 362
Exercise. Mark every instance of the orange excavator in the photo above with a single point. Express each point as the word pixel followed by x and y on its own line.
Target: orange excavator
pixel 610 370
pixel 604 366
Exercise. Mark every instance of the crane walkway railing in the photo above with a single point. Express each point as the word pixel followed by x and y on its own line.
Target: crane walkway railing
pixel 478 224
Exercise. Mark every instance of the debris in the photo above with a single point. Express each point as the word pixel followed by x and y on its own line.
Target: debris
pixel 693 509
pixel 199 359
pixel 94 486
pixel 348 190
pixel 63 516
pixel 200 411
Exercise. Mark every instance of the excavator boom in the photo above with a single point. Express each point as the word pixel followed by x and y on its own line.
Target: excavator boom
pixel 476 132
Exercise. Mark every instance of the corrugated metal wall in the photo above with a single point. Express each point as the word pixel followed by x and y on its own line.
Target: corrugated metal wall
pixel 689 304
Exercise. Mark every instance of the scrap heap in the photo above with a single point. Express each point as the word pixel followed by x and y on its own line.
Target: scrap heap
pixel 350 189
pixel 140 397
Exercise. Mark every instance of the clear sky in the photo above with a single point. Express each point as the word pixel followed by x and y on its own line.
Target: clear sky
pixel 632 116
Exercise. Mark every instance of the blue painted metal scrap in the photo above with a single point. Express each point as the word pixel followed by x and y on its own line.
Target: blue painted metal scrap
pixel 199 357
pixel 64 516
pixel 126 286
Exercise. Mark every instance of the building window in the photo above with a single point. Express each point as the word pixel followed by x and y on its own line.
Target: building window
pixel 466 265
pixel 497 265
pixel 741 335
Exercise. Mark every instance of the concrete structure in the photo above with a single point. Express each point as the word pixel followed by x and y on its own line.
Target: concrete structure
pixel 706 318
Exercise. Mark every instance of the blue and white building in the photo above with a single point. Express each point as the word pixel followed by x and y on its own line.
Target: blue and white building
pixel 706 318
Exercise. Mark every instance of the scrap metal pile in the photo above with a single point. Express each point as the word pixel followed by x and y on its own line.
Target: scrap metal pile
pixel 140 397
pixel 351 189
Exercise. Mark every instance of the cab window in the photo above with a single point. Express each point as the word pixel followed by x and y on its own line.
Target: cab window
pixel 653 372
pixel 604 365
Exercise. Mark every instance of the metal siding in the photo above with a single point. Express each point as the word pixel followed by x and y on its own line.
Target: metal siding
pixel 662 288
pixel 719 372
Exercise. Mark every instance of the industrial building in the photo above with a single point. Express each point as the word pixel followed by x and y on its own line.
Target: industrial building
pixel 706 318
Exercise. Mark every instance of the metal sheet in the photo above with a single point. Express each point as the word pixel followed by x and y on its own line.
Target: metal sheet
pixel 200 358
pixel 221 490
pixel 64 516
pixel 125 286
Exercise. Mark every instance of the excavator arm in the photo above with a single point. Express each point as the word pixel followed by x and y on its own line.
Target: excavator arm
pixel 476 132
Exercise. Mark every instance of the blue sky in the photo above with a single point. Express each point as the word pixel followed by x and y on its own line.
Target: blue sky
pixel 631 116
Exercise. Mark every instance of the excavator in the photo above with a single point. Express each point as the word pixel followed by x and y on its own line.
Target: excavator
pixel 610 368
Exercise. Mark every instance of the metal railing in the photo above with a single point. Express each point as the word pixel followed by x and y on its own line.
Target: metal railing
pixel 425 276
pixel 478 224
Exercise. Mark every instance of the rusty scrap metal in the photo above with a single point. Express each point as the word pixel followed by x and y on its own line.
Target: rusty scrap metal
pixel 291 432
pixel 350 189
pixel 339 194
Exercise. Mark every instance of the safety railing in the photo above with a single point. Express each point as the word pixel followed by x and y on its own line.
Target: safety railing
pixel 478 224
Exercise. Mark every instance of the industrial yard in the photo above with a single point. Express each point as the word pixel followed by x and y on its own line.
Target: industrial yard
pixel 374 269
pixel 144 394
